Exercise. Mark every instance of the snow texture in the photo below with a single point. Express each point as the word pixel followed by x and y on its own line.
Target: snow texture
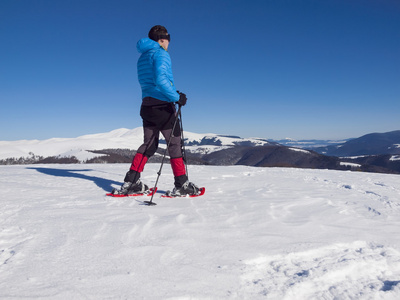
pixel 257 233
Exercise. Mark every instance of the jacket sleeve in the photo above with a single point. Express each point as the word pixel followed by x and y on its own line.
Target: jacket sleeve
pixel 163 75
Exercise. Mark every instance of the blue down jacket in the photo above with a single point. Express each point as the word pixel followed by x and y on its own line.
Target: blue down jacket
pixel 154 71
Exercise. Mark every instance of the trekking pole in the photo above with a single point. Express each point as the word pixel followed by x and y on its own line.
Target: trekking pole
pixel 162 161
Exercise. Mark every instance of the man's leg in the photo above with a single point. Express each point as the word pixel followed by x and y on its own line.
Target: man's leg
pixel 144 152
pixel 132 183
pixel 175 153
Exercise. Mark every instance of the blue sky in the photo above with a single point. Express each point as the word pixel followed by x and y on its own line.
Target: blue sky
pixel 324 69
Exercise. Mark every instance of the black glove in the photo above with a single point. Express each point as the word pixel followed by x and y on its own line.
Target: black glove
pixel 182 99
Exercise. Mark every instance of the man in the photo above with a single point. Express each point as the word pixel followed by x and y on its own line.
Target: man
pixel 158 113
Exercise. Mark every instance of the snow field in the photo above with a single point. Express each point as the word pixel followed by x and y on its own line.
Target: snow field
pixel 257 233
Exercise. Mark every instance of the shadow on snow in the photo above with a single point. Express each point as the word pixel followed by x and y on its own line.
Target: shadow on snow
pixel 105 184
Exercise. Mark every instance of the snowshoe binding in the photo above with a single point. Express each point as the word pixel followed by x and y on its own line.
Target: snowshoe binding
pixel 131 189
pixel 188 189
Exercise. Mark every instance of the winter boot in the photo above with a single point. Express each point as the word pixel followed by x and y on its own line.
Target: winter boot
pixel 132 176
pixel 131 188
pixel 188 188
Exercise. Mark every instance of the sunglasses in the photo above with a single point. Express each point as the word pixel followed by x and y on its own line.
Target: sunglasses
pixel 165 37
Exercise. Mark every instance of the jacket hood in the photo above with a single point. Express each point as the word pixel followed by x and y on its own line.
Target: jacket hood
pixel 146 44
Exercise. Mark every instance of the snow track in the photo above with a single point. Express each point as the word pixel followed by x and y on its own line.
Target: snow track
pixel 257 233
pixel 341 271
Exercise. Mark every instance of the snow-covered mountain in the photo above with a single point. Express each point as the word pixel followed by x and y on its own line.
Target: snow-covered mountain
pixel 79 147
pixel 123 138
pixel 309 144
pixel 257 233
pixel 118 146
pixel 369 144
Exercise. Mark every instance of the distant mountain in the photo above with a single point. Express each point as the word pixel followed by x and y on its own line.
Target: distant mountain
pixel 384 163
pixel 119 146
pixel 79 147
pixel 273 156
pixel 308 144
pixel 211 139
pixel 94 147
pixel 370 144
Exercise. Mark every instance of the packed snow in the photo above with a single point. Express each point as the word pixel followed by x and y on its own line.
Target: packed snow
pixel 257 233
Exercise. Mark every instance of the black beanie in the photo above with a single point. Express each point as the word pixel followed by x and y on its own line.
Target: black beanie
pixel 158 32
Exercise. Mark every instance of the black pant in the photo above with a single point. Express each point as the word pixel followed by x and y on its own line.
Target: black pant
pixel 156 119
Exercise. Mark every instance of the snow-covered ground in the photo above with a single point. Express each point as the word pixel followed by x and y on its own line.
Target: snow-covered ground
pixel 257 233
